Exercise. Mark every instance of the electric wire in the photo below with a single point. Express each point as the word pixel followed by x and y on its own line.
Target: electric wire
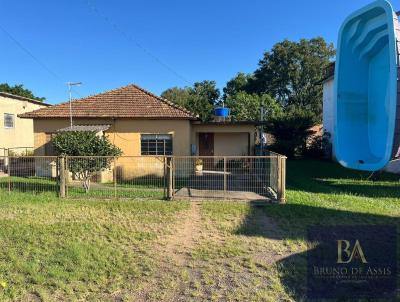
pixel 135 41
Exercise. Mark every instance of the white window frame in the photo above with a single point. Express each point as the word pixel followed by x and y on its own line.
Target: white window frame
pixel 160 137
pixel 8 115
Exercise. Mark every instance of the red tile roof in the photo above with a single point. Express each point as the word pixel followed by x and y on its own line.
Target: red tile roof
pixel 126 102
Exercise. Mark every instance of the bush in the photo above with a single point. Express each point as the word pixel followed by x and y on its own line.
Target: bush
pixel 291 131
pixel 85 143
pixel 319 147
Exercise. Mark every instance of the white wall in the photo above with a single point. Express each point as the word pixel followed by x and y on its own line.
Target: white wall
pixel 328 108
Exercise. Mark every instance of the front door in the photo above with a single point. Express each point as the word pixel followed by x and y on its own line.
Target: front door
pixel 206 148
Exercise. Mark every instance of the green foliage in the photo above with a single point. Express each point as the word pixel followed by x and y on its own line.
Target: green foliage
pixel 239 83
pixel 290 72
pixel 20 90
pixel 177 95
pixel 290 131
pixel 85 143
pixel 199 99
pixel 247 107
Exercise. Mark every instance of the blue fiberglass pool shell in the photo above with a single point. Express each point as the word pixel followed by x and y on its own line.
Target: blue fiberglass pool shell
pixel 365 93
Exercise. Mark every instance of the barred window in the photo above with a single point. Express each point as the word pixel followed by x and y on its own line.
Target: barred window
pixel 8 120
pixel 156 144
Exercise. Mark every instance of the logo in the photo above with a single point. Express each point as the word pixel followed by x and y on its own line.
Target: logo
pixel 357 252
pixel 352 262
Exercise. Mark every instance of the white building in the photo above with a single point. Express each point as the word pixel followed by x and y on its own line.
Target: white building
pixel 328 114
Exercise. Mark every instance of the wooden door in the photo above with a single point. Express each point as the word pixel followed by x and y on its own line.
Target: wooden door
pixel 206 148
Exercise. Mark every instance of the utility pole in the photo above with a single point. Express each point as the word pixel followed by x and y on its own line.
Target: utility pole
pixel 70 84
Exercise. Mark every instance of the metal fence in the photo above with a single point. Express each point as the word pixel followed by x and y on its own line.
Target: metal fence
pixel 152 177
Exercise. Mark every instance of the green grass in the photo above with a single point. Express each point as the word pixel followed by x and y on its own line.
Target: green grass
pixel 39 185
pixel 90 249
pixel 326 193
pixel 78 249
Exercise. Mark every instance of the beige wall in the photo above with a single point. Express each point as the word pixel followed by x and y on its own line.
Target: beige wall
pixel 22 133
pixel 124 133
pixel 233 144
pixel 229 140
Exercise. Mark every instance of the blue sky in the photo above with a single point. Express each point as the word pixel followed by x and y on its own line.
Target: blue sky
pixel 198 40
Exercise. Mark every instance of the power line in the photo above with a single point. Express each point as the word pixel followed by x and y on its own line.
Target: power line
pixel 29 53
pixel 135 41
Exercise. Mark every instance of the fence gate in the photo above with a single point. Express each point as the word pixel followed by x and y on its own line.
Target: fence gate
pixel 229 177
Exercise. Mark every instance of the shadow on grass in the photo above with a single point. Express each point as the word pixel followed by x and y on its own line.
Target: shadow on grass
pixel 293 221
pixel 329 177
pixel 294 218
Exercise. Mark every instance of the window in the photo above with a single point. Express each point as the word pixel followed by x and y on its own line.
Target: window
pixel 156 144
pixel 8 120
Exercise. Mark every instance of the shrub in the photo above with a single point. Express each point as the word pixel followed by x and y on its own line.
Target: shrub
pixel 291 130
pixel 319 146
pixel 85 143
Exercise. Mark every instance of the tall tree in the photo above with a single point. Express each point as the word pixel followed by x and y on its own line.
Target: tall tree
pixel 290 72
pixel 20 90
pixel 200 99
pixel 247 107
pixel 177 95
pixel 238 83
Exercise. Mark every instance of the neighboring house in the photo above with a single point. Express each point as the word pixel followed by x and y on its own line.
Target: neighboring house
pixel 141 123
pixel 328 111
pixel 16 133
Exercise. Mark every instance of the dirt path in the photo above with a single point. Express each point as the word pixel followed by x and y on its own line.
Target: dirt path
pixel 187 232
pixel 174 249
pixel 180 276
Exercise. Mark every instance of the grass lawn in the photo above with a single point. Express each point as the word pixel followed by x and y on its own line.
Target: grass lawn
pixel 125 250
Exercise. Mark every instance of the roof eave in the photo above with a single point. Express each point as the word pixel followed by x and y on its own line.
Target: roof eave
pixel 29 116
pixel 22 98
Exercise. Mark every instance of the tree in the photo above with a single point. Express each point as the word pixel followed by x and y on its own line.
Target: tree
pixel 239 83
pixel 90 145
pixel 291 130
pixel 290 72
pixel 199 99
pixel 247 107
pixel 20 90
pixel 177 95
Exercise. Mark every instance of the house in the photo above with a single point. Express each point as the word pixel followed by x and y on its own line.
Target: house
pixel 16 134
pixel 328 110
pixel 141 123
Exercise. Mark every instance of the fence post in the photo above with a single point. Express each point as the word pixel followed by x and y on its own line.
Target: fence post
pixel 225 178
pixel 281 179
pixel 164 177
pixel 62 177
pixel 170 178
pixel 115 177
pixel 9 171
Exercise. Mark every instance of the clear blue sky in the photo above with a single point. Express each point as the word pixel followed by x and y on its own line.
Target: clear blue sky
pixel 199 40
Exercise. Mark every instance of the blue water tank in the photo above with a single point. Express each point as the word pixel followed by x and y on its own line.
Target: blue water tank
pixel 222 111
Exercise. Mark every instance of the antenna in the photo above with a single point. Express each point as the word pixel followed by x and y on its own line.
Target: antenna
pixel 70 84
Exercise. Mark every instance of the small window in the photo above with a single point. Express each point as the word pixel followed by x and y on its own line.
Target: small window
pixel 8 120
pixel 156 144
